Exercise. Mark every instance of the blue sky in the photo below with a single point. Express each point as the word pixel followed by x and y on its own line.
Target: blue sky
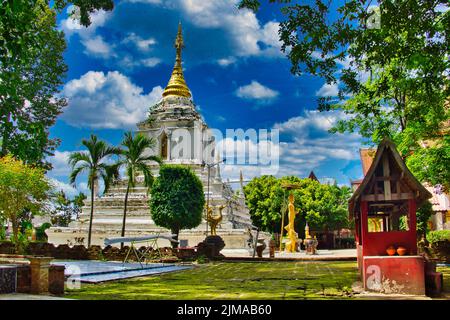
pixel 233 65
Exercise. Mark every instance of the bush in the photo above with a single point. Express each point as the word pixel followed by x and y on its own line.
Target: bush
pixel 439 235
pixel 40 232
pixel 177 199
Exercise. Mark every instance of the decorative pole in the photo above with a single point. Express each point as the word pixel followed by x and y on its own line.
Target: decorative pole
pixel 209 165
pixel 207 200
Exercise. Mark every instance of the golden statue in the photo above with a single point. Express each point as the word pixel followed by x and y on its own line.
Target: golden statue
pixel 214 220
pixel 291 246
pixel 307 235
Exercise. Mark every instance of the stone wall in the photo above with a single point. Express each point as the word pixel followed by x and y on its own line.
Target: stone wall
pixel 80 252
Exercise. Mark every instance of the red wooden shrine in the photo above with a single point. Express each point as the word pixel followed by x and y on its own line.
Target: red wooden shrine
pixel 384 210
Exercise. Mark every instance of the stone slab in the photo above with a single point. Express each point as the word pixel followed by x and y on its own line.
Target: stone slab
pixel 8 278
pixel 88 271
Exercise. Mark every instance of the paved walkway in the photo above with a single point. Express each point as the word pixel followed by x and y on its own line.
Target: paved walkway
pixel 340 254
pixel 23 296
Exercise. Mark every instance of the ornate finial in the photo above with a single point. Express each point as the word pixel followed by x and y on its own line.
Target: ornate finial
pixel 177 85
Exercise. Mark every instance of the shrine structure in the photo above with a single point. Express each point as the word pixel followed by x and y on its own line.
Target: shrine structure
pixel 384 210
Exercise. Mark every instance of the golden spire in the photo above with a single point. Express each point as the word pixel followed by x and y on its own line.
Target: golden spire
pixel 177 85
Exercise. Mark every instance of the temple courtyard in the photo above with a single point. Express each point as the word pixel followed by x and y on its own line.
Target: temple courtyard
pixel 243 280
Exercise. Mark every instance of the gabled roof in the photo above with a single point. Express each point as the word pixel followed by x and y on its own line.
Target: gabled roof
pixel 421 193
pixel 312 176
pixel 366 156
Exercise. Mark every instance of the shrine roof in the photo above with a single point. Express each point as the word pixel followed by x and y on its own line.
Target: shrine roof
pixel 420 192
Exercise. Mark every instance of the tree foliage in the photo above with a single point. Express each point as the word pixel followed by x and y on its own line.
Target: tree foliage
pixel 22 189
pixel 390 63
pixel 424 214
pixel 323 206
pixel 135 159
pixel 65 209
pixel 29 86
pixel 177 199
pixel 32 71
pixel 94 163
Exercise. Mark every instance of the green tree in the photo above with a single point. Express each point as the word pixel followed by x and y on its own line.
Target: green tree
pixel 20 29
pixel 135 160
pixel 390 65
pixel 93 162
pixel 177 199
pixel 64 210
pixel 323 206
pixel 22 189
pixel 265 198
pixel 423 216
pixel 29 101
pixel 32 71
pixel 78 203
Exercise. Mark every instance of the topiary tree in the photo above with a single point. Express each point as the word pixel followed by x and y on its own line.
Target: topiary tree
pixel 177 199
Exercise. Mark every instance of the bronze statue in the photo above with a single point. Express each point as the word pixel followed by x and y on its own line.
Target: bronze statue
pixel 214 220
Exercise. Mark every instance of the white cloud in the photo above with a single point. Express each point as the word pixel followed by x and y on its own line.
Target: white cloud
pixel 256 91
pixel 69 190
pixel 60 164
pixel 72 26
pixel 225 62
pixel 143 45
pixel 99 100
pixel 97 47
pixel 308 147
pixel 244 33
pixel 311 142
pixel 150 62
pixel 242 25
pixel 94 44
pixel 145 1
pixel 328 90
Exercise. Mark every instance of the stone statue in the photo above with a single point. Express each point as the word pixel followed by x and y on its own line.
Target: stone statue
pixel 214 220
pixel 309 242
pixel 291 246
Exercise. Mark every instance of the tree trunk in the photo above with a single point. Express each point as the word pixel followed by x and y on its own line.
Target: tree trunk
pixel 176 232
pixel 124 214
pixel 6 133
pixel 92 213
pixel 15 228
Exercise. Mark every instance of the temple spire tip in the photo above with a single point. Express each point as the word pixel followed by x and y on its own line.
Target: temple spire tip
pixel 177 85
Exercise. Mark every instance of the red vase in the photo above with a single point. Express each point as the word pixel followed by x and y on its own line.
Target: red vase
pixel 390 250
pixel 401 251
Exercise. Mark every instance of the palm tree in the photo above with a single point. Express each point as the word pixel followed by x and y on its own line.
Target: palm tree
pixel 135 161
pixel 93 163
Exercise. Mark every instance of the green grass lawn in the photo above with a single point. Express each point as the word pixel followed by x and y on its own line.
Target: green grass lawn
pixel 226 280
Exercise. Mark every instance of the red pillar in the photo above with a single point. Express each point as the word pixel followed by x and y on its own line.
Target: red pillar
pixel 364 227
pixel 412 207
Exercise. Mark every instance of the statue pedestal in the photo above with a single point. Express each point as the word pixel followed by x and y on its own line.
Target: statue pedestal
pixel 310 246
pixel 211 247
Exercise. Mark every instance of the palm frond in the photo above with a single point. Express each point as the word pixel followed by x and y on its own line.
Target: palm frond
pixel 151 158
pixel 148 175
pixel 131 175
pixel 76 171
pixel 109 174
pixel 76 157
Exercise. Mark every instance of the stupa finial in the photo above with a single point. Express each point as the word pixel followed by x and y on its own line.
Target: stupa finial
pixel 177 85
